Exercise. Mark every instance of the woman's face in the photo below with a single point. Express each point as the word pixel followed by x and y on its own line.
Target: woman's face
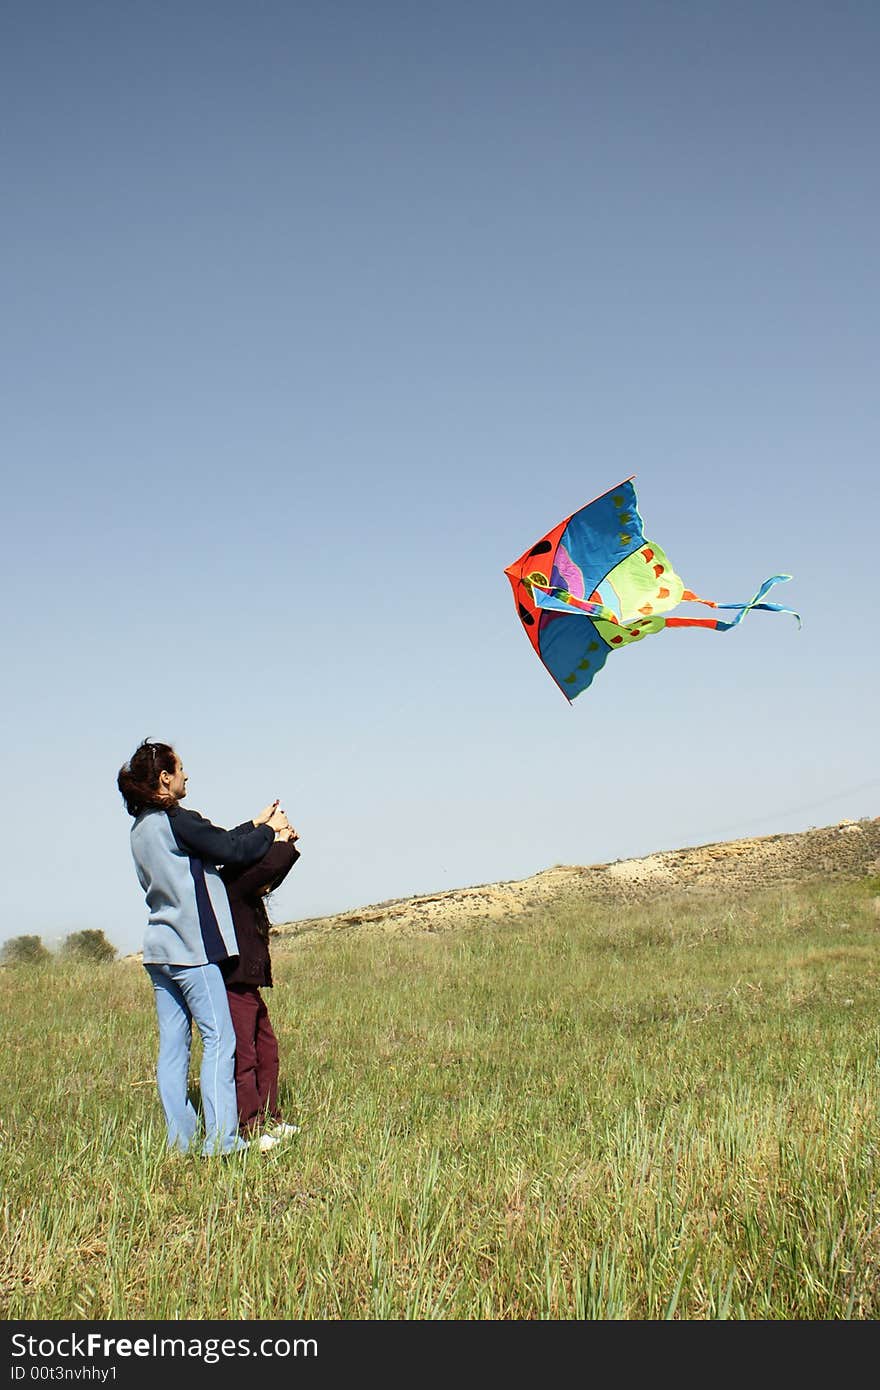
pixel 173 784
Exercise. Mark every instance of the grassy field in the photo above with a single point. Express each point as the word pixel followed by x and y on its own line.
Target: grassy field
pixel 599 1113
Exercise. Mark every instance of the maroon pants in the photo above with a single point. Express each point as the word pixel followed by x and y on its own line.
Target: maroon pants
pixel 256 1057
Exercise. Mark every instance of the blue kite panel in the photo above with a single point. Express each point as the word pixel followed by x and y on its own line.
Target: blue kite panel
pixel 571 649
pixel 596 539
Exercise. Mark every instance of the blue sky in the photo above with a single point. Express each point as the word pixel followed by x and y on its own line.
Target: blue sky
pixel 316 316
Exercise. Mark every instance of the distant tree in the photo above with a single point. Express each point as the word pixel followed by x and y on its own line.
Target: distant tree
pixel 23 950
pixel 88 945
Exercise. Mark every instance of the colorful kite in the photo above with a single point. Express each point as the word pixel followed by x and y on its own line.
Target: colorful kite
pixel 594 583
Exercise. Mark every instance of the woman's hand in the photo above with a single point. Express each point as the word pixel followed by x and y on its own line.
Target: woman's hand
pixel 278 820
pixel 288 834
pixel 265 816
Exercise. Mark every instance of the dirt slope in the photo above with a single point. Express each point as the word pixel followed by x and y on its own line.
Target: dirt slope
pixel 848 848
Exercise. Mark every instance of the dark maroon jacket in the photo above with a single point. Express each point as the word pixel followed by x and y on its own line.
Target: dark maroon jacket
pixel 246 889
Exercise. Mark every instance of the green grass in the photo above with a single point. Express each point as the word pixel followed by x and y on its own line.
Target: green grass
pixel 597 1113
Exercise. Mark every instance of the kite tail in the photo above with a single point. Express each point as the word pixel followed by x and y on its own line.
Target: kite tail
pixel 741 608
pixel 744 608
pixel 689 596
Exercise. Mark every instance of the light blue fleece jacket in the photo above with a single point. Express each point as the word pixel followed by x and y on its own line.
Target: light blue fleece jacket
pixel 176 853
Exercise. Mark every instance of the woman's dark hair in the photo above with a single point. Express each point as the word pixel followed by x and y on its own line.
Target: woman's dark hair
pixel 138 779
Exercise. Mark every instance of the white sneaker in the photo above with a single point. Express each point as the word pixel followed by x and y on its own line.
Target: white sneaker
pixel 283 1131
pixel 267 1142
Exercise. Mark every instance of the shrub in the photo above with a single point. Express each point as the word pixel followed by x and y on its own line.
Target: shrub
pixel 88 945
pixel 23 950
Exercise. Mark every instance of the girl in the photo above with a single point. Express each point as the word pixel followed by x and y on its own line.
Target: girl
pixel 189 931
pixel 256 1046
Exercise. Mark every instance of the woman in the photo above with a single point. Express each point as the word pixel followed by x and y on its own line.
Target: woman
pixel 189 931
pixel 256 1046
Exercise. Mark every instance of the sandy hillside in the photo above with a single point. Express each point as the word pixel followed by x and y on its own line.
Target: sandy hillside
pixel 848 848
